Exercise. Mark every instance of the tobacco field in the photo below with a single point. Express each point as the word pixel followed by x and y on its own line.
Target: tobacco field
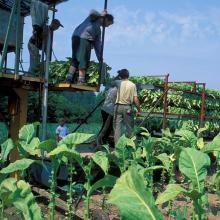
pixel 138 179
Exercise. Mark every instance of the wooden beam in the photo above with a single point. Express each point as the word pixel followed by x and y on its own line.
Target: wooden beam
pixel 25 78
pixel 71 87
pixel 18 116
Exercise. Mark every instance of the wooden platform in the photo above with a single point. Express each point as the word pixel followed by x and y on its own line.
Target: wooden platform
pixel 71 87
pixel 33 83
pixel 24 82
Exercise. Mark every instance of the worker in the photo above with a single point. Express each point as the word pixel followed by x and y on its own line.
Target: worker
pixel 123 111
pixel 38 41
pixel 107 112
pixel 86 36
pixel 61 130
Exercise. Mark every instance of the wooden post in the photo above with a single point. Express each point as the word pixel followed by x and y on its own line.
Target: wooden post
pixel 17 105
pixel 165 103
pixel 202 114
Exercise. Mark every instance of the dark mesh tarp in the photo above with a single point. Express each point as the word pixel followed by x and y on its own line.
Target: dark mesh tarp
pixel 25 5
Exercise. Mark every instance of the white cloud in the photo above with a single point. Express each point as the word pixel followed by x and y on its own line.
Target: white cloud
pixel 136 26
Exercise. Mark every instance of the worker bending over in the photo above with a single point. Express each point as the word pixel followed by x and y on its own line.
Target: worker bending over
pixel 107 112
pixel 86 36
pixel 126 97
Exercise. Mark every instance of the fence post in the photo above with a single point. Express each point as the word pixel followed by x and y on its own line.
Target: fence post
pixel 165 103
pixel 202 114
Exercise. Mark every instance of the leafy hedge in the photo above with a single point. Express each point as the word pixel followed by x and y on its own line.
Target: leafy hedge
pixel 179 102
pixel 59 69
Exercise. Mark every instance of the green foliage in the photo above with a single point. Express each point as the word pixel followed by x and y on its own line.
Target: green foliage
pixel 26 133
pixel 132 199
pixel 186 138
pixel 101 159
pixel 18 165
pixel 106 181
pixel 6 148
pixel 59 69
pixel 71 140
pixel 170 193
pixel 179 102
pixel 165 159
pixel 193 164
pixel 213 145
pixel 18 193
pixel 48 145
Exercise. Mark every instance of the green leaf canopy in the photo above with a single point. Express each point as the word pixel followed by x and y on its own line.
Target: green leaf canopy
pixel 6 148
pixel 101 159
pixel 212 146
pixel 26 133
pixel 170 193
pixel 133 199
pixel 74 139
pixel 193 164
pixel 19 194
pixel 18 165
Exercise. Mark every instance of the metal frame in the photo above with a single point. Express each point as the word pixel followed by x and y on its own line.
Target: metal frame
pixel 101 77
pixel 165 114
pixel 15 11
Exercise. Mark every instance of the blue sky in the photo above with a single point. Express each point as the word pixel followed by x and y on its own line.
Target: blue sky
pixel 180 37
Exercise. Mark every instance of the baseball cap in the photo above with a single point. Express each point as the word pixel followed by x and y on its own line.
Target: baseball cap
pixel 56 21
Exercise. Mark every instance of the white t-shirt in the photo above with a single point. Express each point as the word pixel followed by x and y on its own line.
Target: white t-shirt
pixel 62 131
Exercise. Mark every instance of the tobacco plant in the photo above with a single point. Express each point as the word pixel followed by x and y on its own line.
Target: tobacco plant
pixel 193 164
pixel 135 201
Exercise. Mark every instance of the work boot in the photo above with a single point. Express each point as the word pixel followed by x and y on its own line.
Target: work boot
pixel 81 81
pixel 69 78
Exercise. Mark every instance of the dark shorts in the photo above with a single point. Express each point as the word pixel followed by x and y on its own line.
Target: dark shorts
pixel 81 52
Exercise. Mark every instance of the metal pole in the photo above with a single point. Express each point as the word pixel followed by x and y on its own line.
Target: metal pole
pixel 51 46
pixel 102 49
pixel 165 101
pixel 5 48
pixel 88 116
pixel 18 40
pixel 45 89
pixel 202 115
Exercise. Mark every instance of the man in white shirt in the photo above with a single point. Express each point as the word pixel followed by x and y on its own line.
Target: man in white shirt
pixel 126 97
pixel 61 130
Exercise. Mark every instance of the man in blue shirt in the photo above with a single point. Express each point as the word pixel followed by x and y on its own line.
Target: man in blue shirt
pixel 86 36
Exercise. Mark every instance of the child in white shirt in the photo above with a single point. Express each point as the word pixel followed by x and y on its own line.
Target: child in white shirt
pixel 61 130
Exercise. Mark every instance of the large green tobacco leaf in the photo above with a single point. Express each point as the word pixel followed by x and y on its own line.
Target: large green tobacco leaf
pixel 170 193
pixel 101 159
pixel 74 139
pixel 26 133
pixel 18 165
pixel 48 145
pixel 193 164
pixel 132 198
pixel 187 138
pixel 63 150
pixel 122 151
pixel 19 194
pixel 30 149
pixel 165 159
pixel 152 168
pixel 6 148
pixel 124 141
pixel 106 181
pixel 212 146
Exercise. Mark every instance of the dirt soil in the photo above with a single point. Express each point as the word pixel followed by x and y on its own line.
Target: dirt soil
pixel 110 212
